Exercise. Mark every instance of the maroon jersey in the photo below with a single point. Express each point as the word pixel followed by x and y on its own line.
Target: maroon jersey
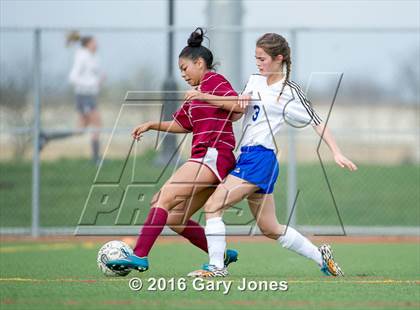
pixel 210 125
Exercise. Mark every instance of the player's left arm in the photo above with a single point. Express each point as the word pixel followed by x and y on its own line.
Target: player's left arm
pixel 325 133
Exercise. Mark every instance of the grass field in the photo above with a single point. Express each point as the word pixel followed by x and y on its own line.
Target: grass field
pixel 374 195
pixel 62 274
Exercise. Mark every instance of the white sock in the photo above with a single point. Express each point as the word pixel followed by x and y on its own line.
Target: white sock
pixel 296 242
pixel 216 241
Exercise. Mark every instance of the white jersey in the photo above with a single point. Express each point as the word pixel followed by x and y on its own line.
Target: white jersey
pixel 267 113
pixel 85 75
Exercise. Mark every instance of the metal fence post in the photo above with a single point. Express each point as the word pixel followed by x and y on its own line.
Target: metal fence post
pixel 291 136
pixel 170 103
pixel 36 132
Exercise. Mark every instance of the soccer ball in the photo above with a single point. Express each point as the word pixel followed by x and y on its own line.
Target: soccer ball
pixel 110 251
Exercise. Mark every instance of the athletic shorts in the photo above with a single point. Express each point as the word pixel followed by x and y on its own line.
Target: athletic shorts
pixel 219 161
pixel 257 165
pixel 85 103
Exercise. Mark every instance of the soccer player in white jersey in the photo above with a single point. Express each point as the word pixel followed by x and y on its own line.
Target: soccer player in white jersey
pixel 281 102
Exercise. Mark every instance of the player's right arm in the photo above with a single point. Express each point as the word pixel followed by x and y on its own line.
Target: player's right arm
pixel 168 126
pixel 229 103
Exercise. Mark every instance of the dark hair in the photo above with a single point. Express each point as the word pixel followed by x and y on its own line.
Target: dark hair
pixel 195 50
pixel 274 44
pixel 75 36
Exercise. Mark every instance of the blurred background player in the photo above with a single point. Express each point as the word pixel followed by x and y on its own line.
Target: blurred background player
pixel 86 78
pixel 211 158
pixel 278 102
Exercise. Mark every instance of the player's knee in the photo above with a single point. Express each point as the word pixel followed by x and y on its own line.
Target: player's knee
pixel 155 199
pixel 271 235
pixel 176 228
pixel 212 208
pixel 282 229
pixel 214 204
pixel 269 232
pixel 161 201
pixel 164 204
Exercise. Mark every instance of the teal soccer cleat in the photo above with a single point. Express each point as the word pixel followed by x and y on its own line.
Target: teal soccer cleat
pixel 231 256
pixel 130 262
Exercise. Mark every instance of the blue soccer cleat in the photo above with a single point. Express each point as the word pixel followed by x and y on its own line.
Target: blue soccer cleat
pixel 130 262
pixel 231 256
pixel 329 266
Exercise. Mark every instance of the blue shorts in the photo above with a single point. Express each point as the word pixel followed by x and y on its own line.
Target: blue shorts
pixel 257 165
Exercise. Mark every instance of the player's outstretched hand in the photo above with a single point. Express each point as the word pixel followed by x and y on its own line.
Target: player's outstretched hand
pixel 139 130
pixel 244 100
pixel 344 162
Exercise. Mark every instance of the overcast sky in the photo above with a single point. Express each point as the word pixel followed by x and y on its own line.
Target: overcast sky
pixel 135 13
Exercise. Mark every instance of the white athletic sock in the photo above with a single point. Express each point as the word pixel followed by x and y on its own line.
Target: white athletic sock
pixel 296 242
pixel 216 241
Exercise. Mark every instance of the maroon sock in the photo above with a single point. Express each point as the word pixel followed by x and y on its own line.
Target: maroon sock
pixel 195 234
pixel 152 228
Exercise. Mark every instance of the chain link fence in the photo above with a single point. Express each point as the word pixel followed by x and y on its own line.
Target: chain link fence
pixel 366 88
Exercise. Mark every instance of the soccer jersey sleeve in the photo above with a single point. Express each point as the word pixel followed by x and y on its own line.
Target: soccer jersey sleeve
pixel 182 117
pixel 299 109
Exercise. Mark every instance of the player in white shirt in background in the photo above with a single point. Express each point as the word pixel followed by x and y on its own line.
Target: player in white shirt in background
pixel 276 101
pixel 86 78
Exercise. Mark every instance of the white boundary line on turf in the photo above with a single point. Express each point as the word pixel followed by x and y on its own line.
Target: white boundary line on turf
pixel 346 281
pixel 240 230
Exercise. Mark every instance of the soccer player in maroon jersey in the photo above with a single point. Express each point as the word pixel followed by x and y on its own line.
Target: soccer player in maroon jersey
pixel 211 159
